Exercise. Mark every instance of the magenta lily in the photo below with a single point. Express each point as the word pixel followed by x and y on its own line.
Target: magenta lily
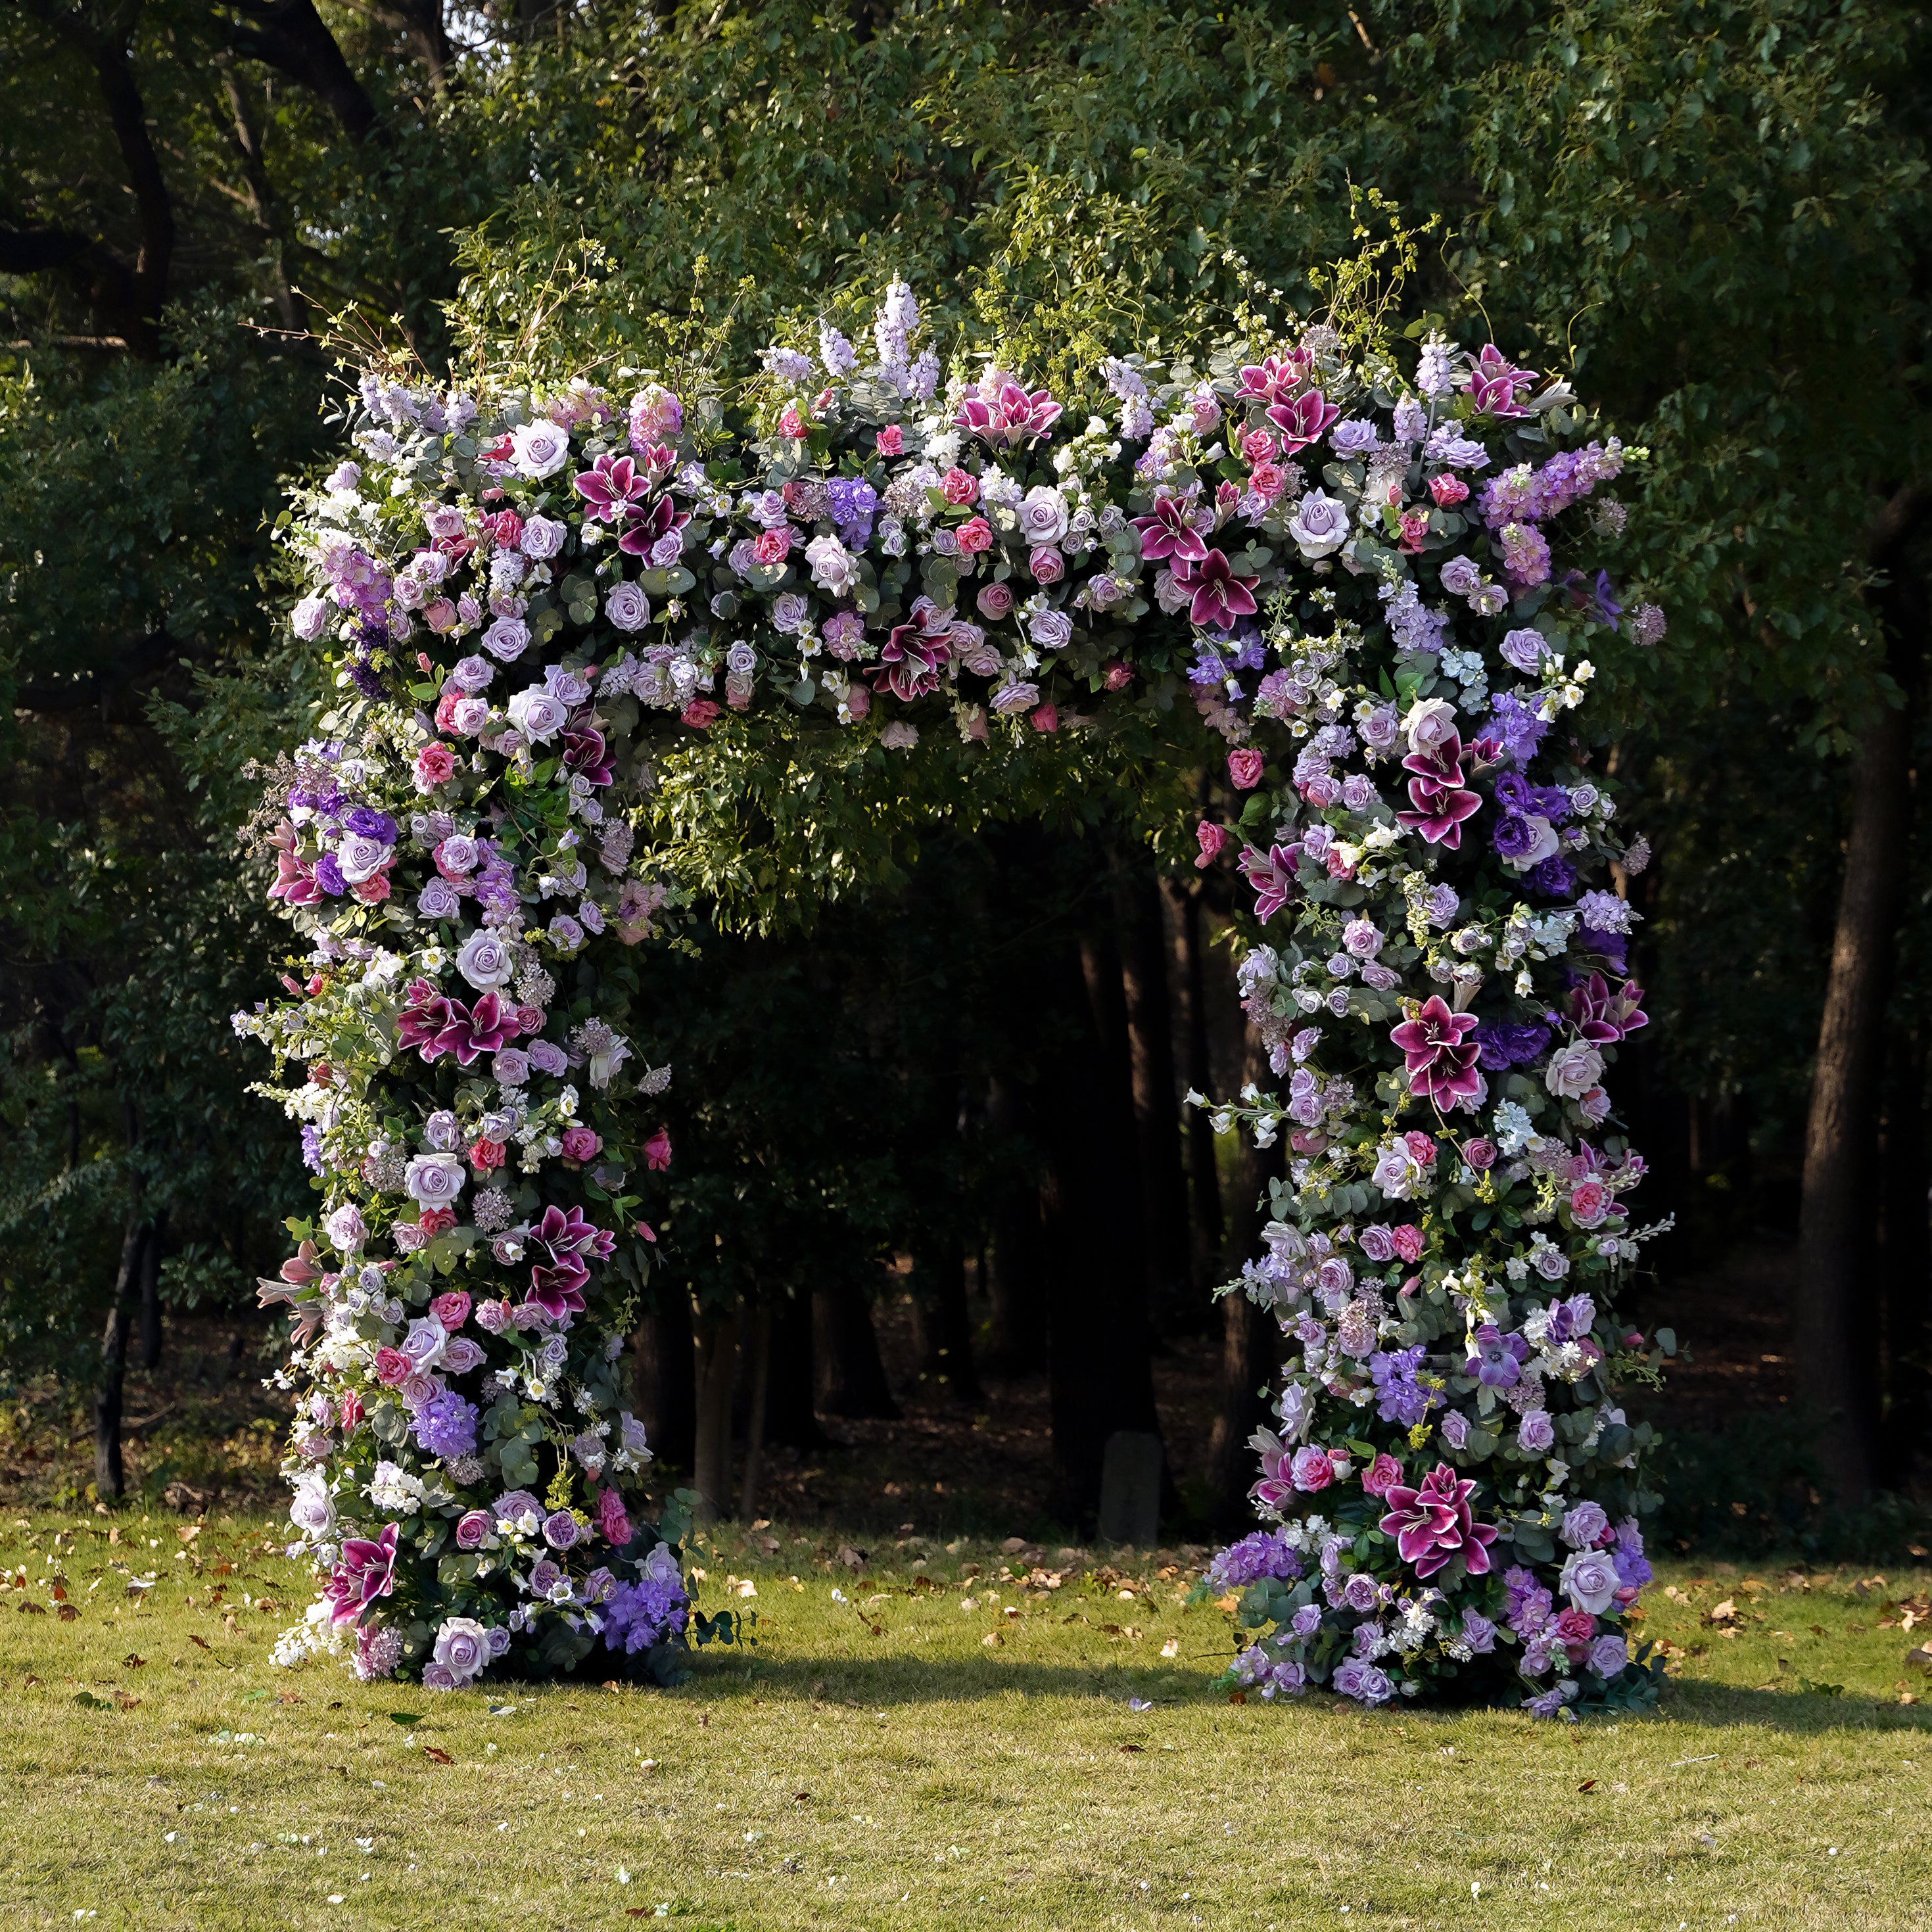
pixel 1438 1055
pixel 367 1571
pixel 1433 1524
pixel 1272 875
pixel 1302 421
pixel 1220 594
pixel 1169 531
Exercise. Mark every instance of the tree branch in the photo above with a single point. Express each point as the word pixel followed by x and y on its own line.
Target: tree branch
pixel 290 36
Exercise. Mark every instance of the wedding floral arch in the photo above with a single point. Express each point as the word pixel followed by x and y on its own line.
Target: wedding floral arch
pixel 1371 570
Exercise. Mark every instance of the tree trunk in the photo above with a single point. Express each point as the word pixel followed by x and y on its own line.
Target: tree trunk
pixel 1163 1188
pixel 1250 1342
pixel 1905 1271
pixel 1836 1324
pixel 1015 1290
pixel 754 1425
pixel 717 1361
pixel 151 1294
pixel 851 1377
pixel 665 1376
pixel 109 1476
pixel 1203 1179
pixel 1100 1369
pixel 789 1417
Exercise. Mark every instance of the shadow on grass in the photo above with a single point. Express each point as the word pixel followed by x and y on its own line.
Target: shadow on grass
pixel 883 1682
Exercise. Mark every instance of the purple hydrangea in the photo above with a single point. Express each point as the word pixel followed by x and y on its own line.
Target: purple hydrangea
pixel 652 1610
pixel 446 1425
pixel 1266 1553
pixel 1399 1397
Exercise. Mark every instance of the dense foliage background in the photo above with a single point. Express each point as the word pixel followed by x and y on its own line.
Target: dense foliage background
pixel 1716 215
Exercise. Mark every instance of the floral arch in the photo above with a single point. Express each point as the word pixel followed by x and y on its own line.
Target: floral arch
pixel 1373 570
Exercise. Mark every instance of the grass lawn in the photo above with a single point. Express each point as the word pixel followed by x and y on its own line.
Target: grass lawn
pixel 932 1748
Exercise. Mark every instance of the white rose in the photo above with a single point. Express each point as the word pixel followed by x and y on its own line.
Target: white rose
pixel 485 961
pixel 538 449
pixel 834 569
pixel 309 618
pixel 1431 722
pixel 361 858
pixel 1320 524
pixel 1573 1071
pixel 1043 515
pixel 435 1180
pixel 537 715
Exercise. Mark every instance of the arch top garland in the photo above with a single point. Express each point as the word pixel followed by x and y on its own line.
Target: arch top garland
pixel 1376 583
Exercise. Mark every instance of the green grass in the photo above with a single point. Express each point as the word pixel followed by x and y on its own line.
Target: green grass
pixel 920 1777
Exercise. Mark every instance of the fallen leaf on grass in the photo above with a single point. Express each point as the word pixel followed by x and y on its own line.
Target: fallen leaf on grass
pixel 134 1663
pixel 436 1757
pixel 30 1678
pixel 990 1638
pixel 1589 1784
pixel 1133 1748
pixel 1237 1696
pixel 406 1718
pixel 199 1642
pixel 123 1702
pixel 1722 1613
pixel 1229 1603
pixel 1171 1647
pixel 68 1613
pixel 33 1609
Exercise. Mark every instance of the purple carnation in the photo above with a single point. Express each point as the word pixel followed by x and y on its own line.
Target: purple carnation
pixel 1514 837
pixel 1502 1044
pixel 328 876
pixel 368 823
pixel 1554 878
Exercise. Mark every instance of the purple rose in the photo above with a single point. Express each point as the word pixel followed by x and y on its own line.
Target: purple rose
pixel 1584 1526
pixel 1525 649
pixel 1051 630
pixel 1608 1655
pixel 1362 1681
pixel 1376 1244
pixel 472 1530
pixel 1478 1633
pixel 1456 1429
pixel 462 1648
pixel 438 900
pixel 544 1577
pixel 512 1066
pixel 1537 1432
pixel 1359 1593
pixel 560 1530
pixel 1590 1581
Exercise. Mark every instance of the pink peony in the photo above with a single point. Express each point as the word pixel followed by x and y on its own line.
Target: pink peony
pixel 434 765
pixel 891 440
pixel 1408 1242
pixel 975 535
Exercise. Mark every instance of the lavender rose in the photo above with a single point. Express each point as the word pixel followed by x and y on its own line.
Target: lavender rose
pixel 436 1180
pixel 543 538
pixel 1043 514
pixel 1051 630
pixel 627 606
pixel 1320 525
pixel 560 1530
pixel 1590 1581
pixel 346 1229
pixel 438 900
pixel 538 449
pixel 485 961
pixel 537 715
pixel 462 1647
pixel 508 638
pixel 472 1530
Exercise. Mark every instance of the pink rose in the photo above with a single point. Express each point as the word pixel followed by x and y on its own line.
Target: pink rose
pixel 581 1144
pixel 1118 677
pixel 1044 720
pixel 891 440
pixel 1257 445
pixel 959 486
pixel 1448 489
pixel 393 1368
pixel 858 700
pixel 995 602
pixel 657 1151
pixel 1244 768
pixel 1267 480
pixel 975 535
pixel 791 423
pixel 451 1309
pixel 1381 1475
pixel 1047 565
pixel 1211 838
pixel 440 615
pixel 1407 1239
pixel 1574 1627
pixel 435 1221
pixel 1421 1148
pixel 773 546
pixel 700 714
pixel 472 1529
pixel 1480 1154
pixel 435 764
pixel 1589 1202
pixel 1312 1468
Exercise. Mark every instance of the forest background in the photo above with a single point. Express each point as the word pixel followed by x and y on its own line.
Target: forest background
pixel 1715 217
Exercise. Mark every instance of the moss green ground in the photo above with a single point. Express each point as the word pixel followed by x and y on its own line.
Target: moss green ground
pixel 916 1757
